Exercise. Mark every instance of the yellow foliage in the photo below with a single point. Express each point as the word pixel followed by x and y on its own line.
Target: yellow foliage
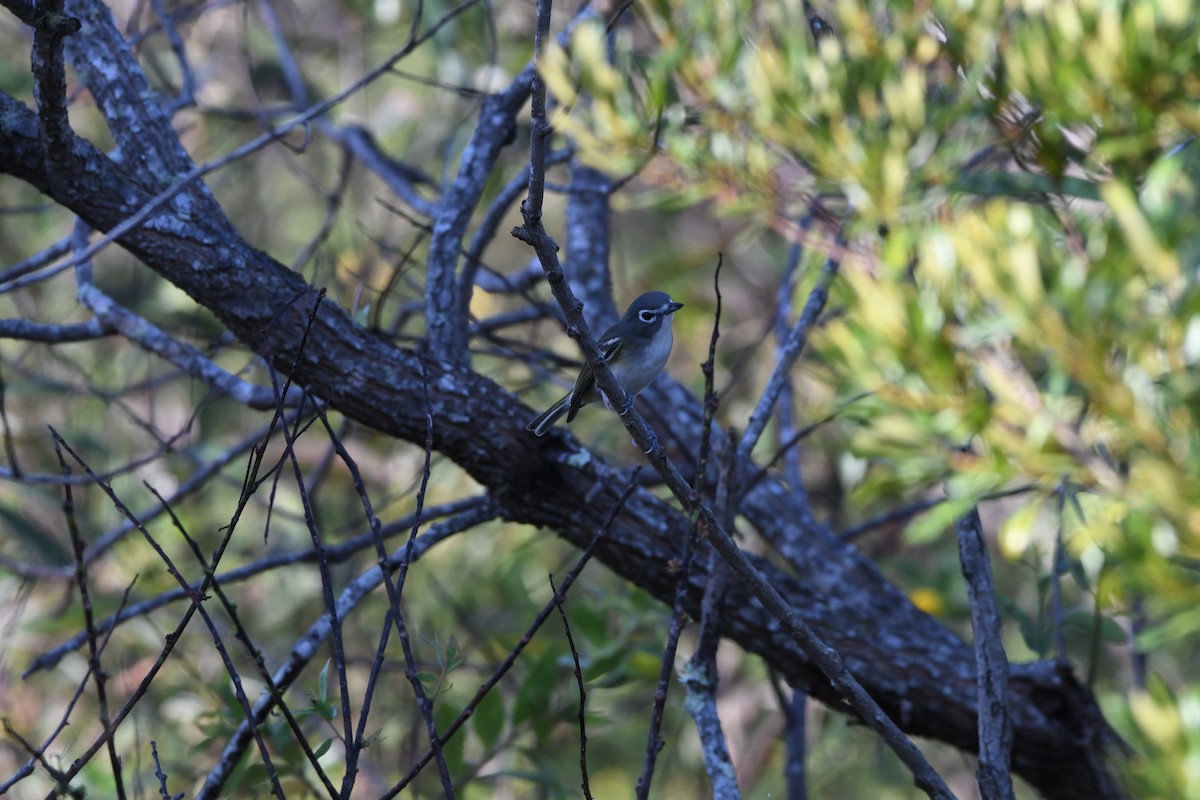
pixel 928 600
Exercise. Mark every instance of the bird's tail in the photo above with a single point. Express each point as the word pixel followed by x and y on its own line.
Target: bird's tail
pixel 545 421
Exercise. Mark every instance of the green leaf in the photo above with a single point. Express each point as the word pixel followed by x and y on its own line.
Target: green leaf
pixel 1037 637
pixel 1078 573
pixel 489 718
pixel 591 621
pixel 534 695
pixel 935 521
pixel 1024 184
pixel 323 682
pixel 326 711
pixel 452 659
pixel 443 715
pixel 1184 624
pixel 606 661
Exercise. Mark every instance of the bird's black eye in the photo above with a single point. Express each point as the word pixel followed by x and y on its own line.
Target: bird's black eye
pixel 646 316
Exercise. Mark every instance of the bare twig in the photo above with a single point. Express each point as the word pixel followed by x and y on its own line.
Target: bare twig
pixel 444 314
pixel 825 657
pixel 1057 567
pixel 654 742
pixel 162 776
pixel 54 334
pixel 793 709
pixel 701 677
pixel 186 180
pixel 33 263
pixel 243 636
pixel 511 659
pixel 790 352
pixel 410 663
pixel 307 645
pixel 89 618
pixel 583 772
pixel 911 510
pixel 335 554
pixel 172 638
pixel 62 784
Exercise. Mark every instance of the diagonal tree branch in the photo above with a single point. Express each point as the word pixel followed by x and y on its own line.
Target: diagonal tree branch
pixel 919 672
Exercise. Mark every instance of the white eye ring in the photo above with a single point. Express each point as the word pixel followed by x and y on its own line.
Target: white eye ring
pixel 646 316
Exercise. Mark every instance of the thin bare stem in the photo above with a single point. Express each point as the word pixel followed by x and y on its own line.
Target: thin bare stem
pixel 511 659
pixel 654 743
pixel 823 656
pixel 583 772
pixel 791 350
pixel 89 618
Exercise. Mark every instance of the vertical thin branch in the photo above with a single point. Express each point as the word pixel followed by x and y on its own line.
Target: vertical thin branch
pixel 81 580
pixel 355 748
pixel 172 638
pixel 410 663
pixel 425 705
pixel 243 636
pixel 654 742
pixel 785 411
pixel 797 784
pixel 827 659
pixel 700 677
pixel 10 448
pixel 511 659
pixel 310 522
pixel 794 714
pixel 791 351
pixel 1138 657
pixel 1057 568
pixel 991 664
pixel 162 776
pixel 445 311
pixel 425 472
pixel 583 771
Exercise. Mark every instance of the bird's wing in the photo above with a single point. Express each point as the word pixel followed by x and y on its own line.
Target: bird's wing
pixel 610 346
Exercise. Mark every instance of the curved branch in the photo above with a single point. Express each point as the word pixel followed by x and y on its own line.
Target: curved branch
pixel 915 668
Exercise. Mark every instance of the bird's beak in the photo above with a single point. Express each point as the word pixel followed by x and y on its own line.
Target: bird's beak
pixel 672 307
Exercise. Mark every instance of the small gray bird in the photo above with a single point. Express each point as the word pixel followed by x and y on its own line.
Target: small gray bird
pixel 636 349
